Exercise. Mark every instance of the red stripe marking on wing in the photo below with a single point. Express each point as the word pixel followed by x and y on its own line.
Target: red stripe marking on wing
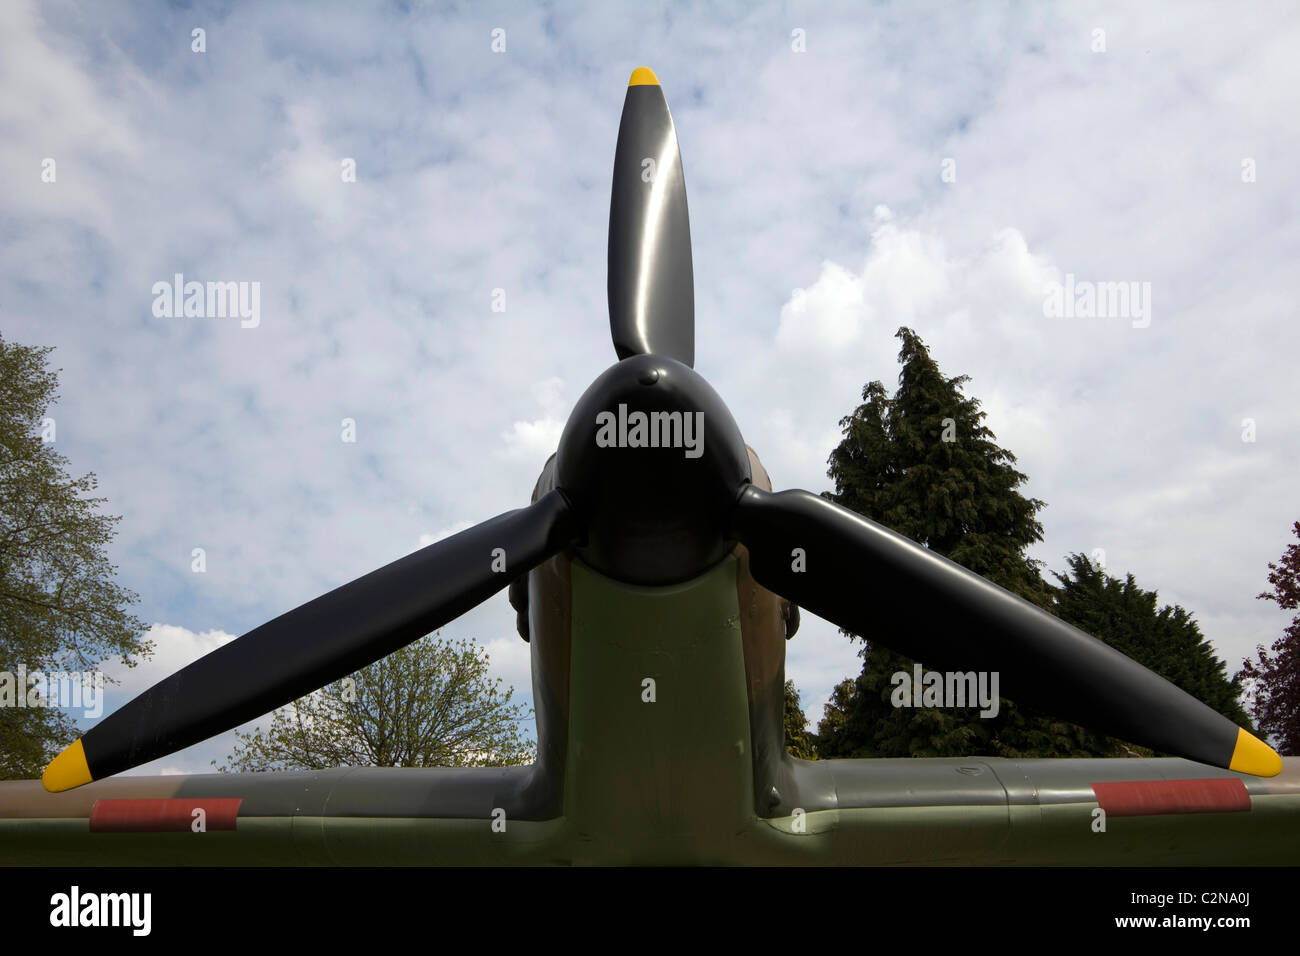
pixel 163 815
pixel 1135 798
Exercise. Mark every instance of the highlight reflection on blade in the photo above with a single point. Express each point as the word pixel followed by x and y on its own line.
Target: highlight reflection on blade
pixel 651 284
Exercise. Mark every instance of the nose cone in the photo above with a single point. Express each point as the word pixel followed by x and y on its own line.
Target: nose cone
pixel 653 461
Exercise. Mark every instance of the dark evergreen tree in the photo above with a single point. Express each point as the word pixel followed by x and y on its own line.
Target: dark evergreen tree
pixel 924 464
pixel 1274 677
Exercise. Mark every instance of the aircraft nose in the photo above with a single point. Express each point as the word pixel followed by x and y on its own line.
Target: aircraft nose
pixel 652 461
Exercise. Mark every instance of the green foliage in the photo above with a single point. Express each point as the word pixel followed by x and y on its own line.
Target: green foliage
pixel 798 739
pixel 1274 678
pixel 30 738
pixel 923 463
pixel 1166 641
pixel 429 704
pixel 60 608
pixel 957 497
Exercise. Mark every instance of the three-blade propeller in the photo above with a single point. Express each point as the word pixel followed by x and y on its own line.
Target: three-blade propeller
pixel 655 513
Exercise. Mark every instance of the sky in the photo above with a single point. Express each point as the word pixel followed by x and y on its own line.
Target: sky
pixel 851 168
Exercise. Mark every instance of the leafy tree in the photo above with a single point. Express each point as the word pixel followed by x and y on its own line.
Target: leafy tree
pixel 429 704
pixel 1274 678
pixel 923 463
pixel 1166 641
pixel 60 609
pixel 835 717
pixel 798 739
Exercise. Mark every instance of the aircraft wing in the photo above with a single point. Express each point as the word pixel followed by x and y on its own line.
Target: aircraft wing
pixel 955 811
pixel 1078 812
pixel 376 816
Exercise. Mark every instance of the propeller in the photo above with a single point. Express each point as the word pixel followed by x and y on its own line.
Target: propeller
pixel 651 283
pixel 320 642
pixel 653 487
pixel 868 579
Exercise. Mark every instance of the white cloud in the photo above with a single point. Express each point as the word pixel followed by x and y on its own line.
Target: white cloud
pixel 175 647
pixel 829 315
pixel 905 275
pixel 533 441
pixel 447 532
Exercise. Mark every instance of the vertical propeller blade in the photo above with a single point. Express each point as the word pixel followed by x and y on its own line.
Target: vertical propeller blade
pixel 651 284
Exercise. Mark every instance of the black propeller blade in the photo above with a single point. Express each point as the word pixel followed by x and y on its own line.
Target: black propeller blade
pixel 322 641
pixel 651 283
pixel 889 589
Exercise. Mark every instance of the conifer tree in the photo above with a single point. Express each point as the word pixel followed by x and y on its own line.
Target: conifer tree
pixel 924 464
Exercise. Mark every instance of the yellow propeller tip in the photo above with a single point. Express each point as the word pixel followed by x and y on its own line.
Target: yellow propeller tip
pixel 1253 756
pixel 643 76
pixel 69 769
